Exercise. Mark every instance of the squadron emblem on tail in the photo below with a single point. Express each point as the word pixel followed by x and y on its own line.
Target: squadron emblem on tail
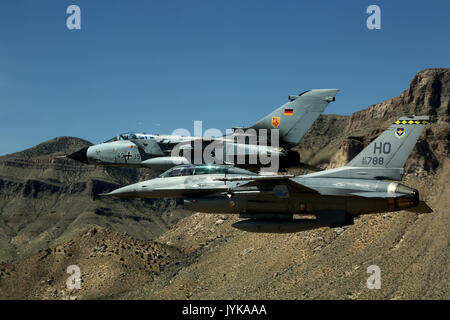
pixel 275 122
pixel 400 132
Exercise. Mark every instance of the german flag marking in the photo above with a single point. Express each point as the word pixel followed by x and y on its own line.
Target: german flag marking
pixel 288 112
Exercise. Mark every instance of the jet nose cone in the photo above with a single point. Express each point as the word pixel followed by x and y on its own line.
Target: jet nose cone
pixel 124 192
pixel 80 155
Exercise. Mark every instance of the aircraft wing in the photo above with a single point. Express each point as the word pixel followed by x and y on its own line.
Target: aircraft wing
pixel 257 178
pixel 196 191
pixel 170 193
pixel 264 181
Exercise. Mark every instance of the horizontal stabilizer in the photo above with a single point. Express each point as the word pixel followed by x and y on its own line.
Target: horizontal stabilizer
pixel 421 208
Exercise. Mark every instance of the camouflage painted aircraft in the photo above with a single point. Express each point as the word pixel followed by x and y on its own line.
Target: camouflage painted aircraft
pixel 335 196
pixel 292 120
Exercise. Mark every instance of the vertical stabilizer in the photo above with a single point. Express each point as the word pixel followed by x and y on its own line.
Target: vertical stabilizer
pixel 385 157
pixel 295 117
pixel 392 148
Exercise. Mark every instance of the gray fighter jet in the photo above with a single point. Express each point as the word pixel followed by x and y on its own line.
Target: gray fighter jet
pixel 334 196
pixel 242 148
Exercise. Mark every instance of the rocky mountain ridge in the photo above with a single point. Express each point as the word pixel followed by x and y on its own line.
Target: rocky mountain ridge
pixel 46 199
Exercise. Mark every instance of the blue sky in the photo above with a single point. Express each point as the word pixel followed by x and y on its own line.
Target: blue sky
pixel 156 66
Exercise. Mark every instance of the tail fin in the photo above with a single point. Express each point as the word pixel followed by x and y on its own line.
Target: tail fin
pixel 385 157
pixel 295 117
pixel 392 148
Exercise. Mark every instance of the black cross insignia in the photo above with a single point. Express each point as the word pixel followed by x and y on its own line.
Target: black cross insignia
pixel 127 156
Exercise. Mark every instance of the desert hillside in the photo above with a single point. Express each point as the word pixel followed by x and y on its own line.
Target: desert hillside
pixel 46 199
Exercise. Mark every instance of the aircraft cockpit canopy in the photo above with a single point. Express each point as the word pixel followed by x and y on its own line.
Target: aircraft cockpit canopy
pixel 130 136
pixel 193 170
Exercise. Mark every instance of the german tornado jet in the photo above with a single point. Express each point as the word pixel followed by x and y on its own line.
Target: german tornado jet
pixel 290 122
pixel 335 196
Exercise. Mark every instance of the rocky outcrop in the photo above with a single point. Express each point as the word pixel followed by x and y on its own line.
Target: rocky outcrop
pixel 348 149
pixel 429 93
